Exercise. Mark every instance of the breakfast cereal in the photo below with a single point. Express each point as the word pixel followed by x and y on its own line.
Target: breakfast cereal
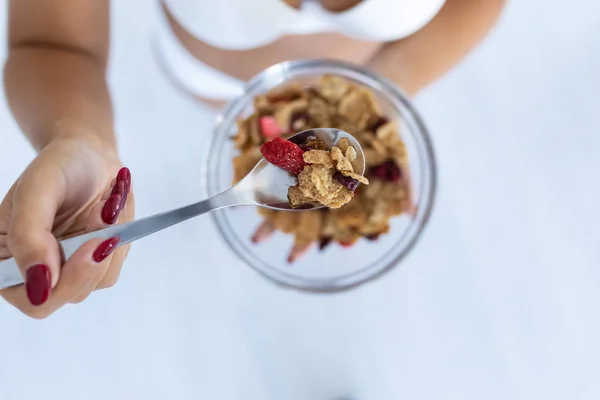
pixel 325 175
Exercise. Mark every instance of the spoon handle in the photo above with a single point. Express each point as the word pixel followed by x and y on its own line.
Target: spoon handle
pixel 10 275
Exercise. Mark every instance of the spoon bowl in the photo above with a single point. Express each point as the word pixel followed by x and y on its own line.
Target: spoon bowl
pixel 267 185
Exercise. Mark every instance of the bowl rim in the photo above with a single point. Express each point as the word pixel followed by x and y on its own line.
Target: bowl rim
pixel 279 72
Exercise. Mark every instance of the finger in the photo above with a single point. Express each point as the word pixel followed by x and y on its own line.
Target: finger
pixel 85 266
pixel 119 194
pixel 6 209
pixel 103 214
pixel 103 255
pixel 115 203
pixel 5 212
pixel 36 198
pixel 111 277
pixel 263 232
pixel 113 273
pixel 298 250
pixel 95 223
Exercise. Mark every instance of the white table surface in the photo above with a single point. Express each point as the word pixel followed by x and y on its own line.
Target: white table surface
pixel 500 300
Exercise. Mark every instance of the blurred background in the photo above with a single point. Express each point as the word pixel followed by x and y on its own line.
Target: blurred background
pixel 499 300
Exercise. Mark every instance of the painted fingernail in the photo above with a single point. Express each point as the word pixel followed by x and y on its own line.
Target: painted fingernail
pixel 119 188
pixel 124 174
pixel 112 208
pixel 123 182
pixel 124 188
pixel 105 249
pixel 37 284
pixel 122 185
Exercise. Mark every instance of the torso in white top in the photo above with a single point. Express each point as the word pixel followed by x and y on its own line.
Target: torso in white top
pixel 248 24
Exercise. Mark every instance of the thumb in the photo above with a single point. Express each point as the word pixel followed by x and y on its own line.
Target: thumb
pixel 37 196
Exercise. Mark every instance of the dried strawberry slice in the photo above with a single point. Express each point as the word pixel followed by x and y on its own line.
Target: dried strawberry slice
pixel 269 127
pixel 284 154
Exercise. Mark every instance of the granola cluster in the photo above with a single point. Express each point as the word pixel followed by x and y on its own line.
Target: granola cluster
pixel 328 176
pixel 332 103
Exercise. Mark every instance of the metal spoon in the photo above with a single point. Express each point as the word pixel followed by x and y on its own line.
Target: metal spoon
pixel 265 186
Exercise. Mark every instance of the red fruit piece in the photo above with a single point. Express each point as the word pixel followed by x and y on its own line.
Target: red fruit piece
pixel 388 171
pixel 350 183
pixel 269 127
pixel 299 121
pixel 284 154
pixel 381 121
pixel 324 242
pixel 346 244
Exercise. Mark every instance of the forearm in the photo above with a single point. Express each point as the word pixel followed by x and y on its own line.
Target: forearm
pixel 54 91
pixel 420 59
pixel 55 73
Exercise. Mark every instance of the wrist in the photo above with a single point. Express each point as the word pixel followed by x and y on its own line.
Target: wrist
pixel 73 130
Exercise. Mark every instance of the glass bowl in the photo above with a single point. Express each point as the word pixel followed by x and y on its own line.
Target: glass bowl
pixel 336 268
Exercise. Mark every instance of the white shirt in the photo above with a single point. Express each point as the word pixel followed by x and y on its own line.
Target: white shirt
pixel 247 24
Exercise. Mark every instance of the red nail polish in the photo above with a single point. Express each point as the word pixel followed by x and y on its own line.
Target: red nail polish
pixel 123 200
pixel 115 189
pixel 105 249
pixel 124 174
pixel 37 284
pixel 123 181
pixel 112 208
pixel 123 190
pixel 119 188
pixel 122 185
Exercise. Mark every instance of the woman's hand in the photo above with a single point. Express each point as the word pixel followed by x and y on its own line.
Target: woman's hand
pixel 75 185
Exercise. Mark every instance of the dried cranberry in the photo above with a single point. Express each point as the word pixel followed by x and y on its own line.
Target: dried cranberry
pixel 372 238
pixel 305 146
pixel 388 171
pixel 299 121
pixel 381 121
pixel 326 241
pixel 347 181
